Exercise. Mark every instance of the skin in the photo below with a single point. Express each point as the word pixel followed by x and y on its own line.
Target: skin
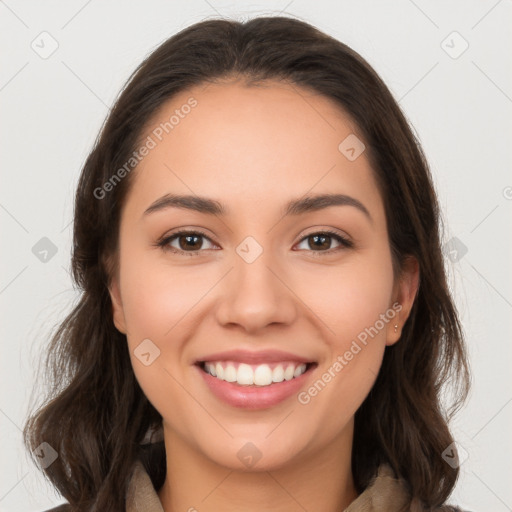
pixel 253 149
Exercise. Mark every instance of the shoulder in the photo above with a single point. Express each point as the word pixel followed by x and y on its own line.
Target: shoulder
pixel 391 493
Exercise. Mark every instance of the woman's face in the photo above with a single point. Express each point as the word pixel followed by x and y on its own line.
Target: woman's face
pixel 255 278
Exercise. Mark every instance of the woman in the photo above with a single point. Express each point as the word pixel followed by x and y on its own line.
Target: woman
pixel 296 361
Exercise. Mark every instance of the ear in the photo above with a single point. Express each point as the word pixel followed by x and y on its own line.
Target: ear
pixel 404 294
pixel 117 306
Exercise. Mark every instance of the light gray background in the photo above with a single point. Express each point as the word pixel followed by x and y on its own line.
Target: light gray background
pixel 52 109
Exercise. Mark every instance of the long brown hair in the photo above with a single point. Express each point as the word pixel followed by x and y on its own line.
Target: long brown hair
pixel 96 415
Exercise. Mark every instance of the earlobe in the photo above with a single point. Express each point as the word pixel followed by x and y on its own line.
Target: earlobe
pixel 117 307
pixel 404 296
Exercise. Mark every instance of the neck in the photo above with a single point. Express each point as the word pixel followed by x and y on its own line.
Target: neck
pixel 314 481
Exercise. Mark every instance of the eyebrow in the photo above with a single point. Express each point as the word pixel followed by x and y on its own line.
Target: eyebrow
pixel 294 207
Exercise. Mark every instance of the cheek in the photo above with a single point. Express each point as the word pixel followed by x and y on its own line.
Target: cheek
pixel 354 310
pixel 157 308
pixel 349 298
pixel 159 304
pixel 156 295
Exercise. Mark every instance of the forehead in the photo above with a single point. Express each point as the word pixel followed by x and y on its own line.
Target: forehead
pixel 249 144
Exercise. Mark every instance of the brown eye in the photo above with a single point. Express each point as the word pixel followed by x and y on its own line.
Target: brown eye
pixel 322 242
pixel 188 242
pixel 193 242
pixel 319 241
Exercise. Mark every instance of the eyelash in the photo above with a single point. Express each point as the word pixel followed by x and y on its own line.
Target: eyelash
pixel 164 242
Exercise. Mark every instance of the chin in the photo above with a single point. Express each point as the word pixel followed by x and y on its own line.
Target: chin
pixel 253 454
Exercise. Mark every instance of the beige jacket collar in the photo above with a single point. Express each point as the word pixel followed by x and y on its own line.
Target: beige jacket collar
pixel 384 494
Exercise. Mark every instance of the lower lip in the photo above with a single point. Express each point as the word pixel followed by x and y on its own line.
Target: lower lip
pixel 254 397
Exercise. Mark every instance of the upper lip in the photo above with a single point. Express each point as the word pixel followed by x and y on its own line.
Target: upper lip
pixel 260 357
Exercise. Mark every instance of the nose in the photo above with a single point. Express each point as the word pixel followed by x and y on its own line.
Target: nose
pixel 255 295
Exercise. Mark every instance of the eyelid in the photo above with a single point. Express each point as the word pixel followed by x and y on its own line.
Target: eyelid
pixel 316 230
pixel 164 241
pixel 344 241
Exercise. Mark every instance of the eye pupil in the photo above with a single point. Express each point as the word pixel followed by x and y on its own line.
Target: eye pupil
pixel 190 246
pixel 323 244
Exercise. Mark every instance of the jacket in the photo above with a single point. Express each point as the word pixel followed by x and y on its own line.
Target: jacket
pixel 384 494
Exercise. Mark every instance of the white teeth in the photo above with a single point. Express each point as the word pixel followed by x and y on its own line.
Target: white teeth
pixel 278 374
pixel 210 368
pixel 288 373
pixel 261 375
pixel 244 375
pixel 299 370
pixel 230 374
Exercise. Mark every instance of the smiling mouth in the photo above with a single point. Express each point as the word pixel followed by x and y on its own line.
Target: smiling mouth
pixel 255 375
